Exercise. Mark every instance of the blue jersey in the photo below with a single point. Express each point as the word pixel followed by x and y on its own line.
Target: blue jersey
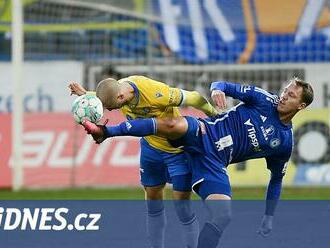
pixel 252 129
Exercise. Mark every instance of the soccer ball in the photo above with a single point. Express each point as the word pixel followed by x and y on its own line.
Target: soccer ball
pixel 87 107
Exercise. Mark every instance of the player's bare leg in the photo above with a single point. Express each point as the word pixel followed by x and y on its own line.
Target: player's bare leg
pixel 218 197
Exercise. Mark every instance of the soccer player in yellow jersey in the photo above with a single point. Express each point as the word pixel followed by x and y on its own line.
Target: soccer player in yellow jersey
pixel 142 97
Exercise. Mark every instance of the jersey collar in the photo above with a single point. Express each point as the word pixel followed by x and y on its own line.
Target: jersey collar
pixel 135 101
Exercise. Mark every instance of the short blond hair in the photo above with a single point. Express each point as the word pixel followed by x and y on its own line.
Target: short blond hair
pixel 107 90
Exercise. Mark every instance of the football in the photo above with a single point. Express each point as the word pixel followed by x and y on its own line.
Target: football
pixel 87 107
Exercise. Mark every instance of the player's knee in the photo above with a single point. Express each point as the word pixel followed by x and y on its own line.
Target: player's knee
pixel 184 211
pixel 171 127
pixel 154 193
pixel 168 124
pixel 222 218
pixel 155 207
pixel 154 196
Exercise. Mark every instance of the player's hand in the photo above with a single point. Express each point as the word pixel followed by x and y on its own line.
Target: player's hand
pixel 266 226
pixel 76 89
pixel 219 98
pixel 97 131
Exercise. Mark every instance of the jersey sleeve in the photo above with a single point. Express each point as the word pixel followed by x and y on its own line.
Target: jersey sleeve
pixel 278 170
pixel 277 166
pixel 246 93
pixel 92 93
pixel 157 93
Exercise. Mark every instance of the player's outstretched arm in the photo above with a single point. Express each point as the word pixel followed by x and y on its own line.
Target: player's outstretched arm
pixel 77 89
pixel 273 195
pixel 246 93
pixel 196 100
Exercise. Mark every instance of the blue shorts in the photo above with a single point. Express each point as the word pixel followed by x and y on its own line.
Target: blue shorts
pixel 209 172
pixel 158 167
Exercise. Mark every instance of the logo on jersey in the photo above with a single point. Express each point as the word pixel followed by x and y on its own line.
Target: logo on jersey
pixel 224 142
pixel 158 94
pixel 245 88
pixel 128 126
pixel 252 134
pixel 263 118
pixel 146 110
pixel 248 123
pixel 275 143
pixel 266 131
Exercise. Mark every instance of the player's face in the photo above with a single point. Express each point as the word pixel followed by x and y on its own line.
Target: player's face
pixel 290 99
pixel 117 104
pixel 114 106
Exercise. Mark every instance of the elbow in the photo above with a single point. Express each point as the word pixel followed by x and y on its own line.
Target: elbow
pixel 195 94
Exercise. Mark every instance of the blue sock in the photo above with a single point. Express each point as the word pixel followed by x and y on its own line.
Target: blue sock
pixel 156 222
pixel 138 127
pixel 190 232
pixel 209 236
pixel 190 225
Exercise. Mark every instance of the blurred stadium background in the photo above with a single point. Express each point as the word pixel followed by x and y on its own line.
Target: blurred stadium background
pixel 185 43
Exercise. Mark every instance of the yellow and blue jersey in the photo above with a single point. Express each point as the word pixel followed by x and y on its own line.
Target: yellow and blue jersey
pixel 153 99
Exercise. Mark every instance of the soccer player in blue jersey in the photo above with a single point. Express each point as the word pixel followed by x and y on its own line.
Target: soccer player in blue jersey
pixel 141 97
pixel 259 127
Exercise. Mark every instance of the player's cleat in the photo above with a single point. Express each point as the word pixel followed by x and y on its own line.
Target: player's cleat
pixel 97 131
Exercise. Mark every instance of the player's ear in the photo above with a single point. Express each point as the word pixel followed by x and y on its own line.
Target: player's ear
pixel 120 97
pixel 302 106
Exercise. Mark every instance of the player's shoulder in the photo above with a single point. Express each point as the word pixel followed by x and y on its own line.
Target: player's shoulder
pixel 267 102
pixel 266 96
pixel 143 81
pixel 135 79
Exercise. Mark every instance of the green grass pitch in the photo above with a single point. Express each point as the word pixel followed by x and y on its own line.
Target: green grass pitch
pixel 247 193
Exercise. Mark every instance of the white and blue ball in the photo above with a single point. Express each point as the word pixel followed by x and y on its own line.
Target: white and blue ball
pixel 87 107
